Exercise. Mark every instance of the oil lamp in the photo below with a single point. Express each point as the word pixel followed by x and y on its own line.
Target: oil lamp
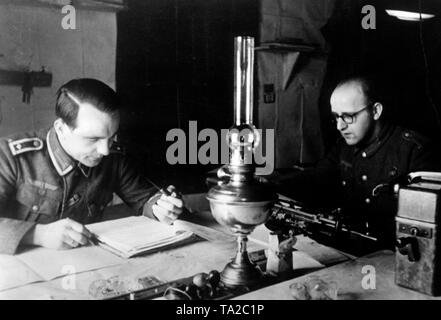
pixel 241 203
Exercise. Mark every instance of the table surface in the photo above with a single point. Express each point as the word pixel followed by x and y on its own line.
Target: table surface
pixel 204 256
pixel 348 276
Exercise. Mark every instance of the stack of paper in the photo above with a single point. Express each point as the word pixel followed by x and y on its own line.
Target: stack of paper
pixel 133 236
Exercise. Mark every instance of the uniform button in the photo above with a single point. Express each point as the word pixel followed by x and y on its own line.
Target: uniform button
pixel 343 183
pixel 34 208
pixel 406 134
pixel 367 200
pixel 364 154
pixel 364 177
pixel 18 146
pixel 36 144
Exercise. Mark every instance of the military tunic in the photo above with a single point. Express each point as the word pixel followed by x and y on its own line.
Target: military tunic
pixel 361 178
pixel 41 183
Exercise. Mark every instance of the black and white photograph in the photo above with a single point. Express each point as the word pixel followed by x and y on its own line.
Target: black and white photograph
pixel 220 154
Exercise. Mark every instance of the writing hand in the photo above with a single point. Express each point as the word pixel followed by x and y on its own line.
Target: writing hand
pixel 62 234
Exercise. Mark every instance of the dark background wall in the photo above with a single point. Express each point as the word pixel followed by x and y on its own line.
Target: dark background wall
pixel 393 52
pixel 175 64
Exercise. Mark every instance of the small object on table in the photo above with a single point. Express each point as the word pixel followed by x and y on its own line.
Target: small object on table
pixel 314 288
pixel 280 253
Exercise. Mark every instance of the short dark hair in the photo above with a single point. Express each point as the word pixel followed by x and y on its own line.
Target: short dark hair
pixel 368 84
pixel 78 91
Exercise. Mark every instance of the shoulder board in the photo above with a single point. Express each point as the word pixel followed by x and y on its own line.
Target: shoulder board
pixel 24 145
pixel 412 137
pixel 117 148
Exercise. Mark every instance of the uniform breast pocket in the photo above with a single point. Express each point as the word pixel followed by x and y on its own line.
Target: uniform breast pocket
pixel 96 204
pixel 38 204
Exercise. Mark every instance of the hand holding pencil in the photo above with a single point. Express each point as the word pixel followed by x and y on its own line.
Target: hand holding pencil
pixel 168 208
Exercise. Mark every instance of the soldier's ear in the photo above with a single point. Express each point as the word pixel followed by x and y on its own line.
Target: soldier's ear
pixel 59 126
pixel 377 110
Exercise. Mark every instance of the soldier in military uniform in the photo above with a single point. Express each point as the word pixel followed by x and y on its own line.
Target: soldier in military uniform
pixel 370 158
pixel 54 181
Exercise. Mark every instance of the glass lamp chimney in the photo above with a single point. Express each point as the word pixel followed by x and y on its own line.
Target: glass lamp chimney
pixel 243 136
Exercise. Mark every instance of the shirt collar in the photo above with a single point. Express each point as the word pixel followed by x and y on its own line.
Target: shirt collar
pixel 63 163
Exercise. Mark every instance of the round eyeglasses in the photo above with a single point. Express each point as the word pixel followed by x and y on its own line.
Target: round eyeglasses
pixel 349 118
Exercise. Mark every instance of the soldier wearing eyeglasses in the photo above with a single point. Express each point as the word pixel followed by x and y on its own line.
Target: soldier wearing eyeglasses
pixel 361 170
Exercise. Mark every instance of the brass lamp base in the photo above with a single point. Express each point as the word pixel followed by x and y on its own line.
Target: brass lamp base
pixel 241 271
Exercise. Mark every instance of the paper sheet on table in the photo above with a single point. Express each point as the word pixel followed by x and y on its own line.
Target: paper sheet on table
pixel 14 273
pixel 260 235
pixel 324 254
pixel 42 291
pixel 206 233
pixel 301 260
pixel 51 264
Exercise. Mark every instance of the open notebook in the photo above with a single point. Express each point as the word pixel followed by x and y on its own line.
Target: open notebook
pixel 132 236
